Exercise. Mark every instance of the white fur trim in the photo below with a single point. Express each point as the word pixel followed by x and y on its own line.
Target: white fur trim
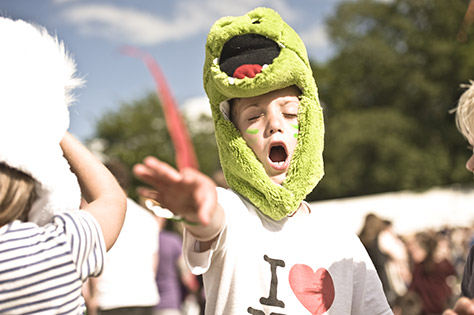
pixel 36 83
pixel 224 106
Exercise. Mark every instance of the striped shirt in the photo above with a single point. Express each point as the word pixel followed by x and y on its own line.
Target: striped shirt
pixel 42 268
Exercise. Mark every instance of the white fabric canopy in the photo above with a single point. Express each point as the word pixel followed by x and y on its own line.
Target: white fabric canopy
pixel 409 212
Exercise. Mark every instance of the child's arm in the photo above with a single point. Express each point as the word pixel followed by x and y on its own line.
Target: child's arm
pixel 106 199
pixel 188 193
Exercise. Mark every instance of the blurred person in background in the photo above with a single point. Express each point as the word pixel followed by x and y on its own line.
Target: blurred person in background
pixel 430 274
pixel 371 236
pixel 408 304
pixel 397 267
pixel 127 285
pixel 176 283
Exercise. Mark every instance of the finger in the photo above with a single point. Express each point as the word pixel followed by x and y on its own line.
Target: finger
pixel 146 175
pixel 140 170
pixel 155 202
pixel 162 170
pixel 148 193
pixel 156 173
pixel 151 198
pixel 449 312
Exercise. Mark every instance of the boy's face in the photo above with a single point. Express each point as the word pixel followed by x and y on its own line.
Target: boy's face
pixel 269 125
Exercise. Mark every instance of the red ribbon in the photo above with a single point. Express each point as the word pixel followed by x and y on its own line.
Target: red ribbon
pixel 185 155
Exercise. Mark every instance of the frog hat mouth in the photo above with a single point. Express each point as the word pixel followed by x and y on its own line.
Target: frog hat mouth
pixel 246 55
pixel 252 55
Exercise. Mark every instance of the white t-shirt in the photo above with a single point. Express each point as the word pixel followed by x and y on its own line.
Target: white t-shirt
pixel 129 274
pixel 299 265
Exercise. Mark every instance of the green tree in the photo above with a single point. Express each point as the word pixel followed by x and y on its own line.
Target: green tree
pixel 388 92
pixel 138 129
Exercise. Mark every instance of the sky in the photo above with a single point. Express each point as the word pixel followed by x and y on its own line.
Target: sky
pixel 172 32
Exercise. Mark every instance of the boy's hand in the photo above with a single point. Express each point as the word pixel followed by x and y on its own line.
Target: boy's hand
pixel 188 193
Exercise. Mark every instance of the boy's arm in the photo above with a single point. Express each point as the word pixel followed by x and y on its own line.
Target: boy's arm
pixel 106 200
pixel 188 193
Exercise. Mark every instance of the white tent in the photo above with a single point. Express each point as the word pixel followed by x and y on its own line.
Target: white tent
pixel 409 211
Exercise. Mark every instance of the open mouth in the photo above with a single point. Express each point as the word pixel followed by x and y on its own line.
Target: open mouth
pixel 246 55
pixel 278 156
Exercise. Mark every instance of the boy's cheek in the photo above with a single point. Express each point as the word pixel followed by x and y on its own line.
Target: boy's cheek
pixel 294 130
pixel 250 137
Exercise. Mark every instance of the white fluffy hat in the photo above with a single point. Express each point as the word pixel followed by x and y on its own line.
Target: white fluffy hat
pixel 37 77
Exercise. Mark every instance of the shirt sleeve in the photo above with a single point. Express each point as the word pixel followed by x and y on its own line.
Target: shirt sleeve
pixel 369 297
pixel 86 241
pixel 199 262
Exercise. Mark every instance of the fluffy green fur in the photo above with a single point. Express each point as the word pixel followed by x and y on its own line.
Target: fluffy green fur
pixel 243 171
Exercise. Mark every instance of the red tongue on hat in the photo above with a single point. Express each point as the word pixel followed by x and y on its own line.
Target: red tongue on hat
pixel 248 71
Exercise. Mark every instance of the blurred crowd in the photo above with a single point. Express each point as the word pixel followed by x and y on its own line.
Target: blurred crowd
pixel 421 273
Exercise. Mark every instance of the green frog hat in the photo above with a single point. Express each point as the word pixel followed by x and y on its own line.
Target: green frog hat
pixel 252 55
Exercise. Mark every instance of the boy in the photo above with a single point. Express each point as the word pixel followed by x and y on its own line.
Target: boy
pixel 260 247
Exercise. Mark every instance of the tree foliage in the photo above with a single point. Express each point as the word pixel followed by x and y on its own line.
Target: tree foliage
pixel 388 92
pixel 138 129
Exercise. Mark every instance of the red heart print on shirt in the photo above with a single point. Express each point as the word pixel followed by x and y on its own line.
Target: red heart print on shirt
pixel 315 290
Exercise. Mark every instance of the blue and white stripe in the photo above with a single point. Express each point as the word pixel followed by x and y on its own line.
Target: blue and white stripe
pixel 42 268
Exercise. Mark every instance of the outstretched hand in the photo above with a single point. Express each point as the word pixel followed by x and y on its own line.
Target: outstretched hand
pixel 188 193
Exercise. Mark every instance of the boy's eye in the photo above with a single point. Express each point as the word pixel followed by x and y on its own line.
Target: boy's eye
pixel 254 117
pixel 291 115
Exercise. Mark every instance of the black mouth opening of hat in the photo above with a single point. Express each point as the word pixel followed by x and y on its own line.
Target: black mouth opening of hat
pixel 247 49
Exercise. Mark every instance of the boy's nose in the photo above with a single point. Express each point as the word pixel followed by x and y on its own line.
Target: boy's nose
pixel 274 125
pixel 272 131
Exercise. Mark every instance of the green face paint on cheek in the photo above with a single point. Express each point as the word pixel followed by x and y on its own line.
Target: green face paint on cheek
pixel 297 127
pixel 252 131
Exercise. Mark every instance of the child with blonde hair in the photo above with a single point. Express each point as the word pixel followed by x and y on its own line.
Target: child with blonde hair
pixel 465 123
pixel 48 247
